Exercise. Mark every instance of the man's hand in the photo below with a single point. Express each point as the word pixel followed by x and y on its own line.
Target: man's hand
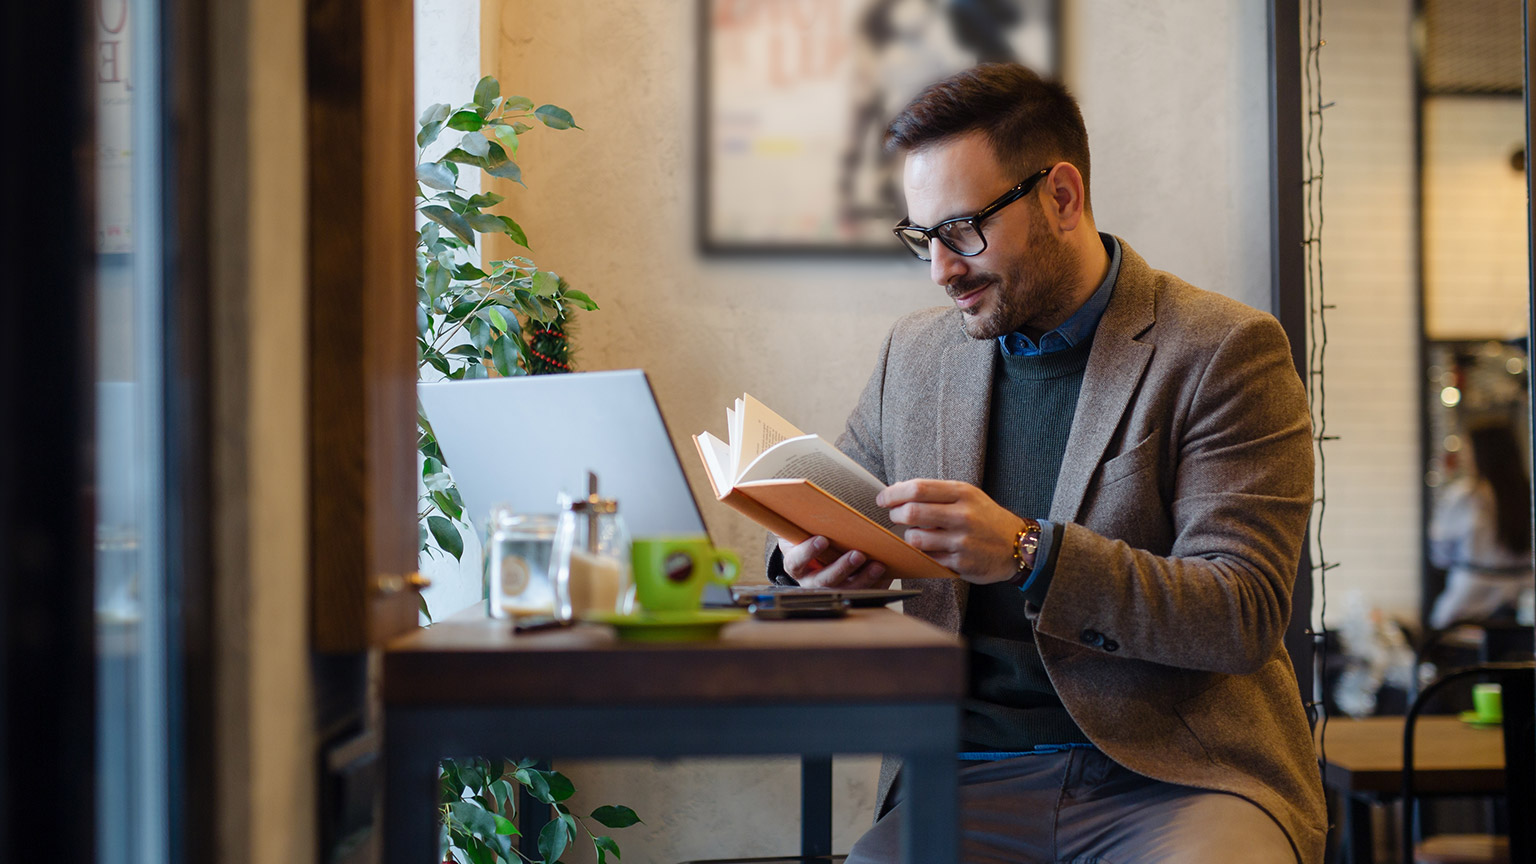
pixel 957 525
pixel 850 570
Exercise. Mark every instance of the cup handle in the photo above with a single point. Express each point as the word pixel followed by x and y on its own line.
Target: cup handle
pixel 732 567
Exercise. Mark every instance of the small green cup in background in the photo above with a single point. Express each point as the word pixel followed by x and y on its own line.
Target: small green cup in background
pixel 670 572
pixel 1488 702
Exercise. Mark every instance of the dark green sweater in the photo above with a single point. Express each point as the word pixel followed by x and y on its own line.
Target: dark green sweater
pixel 1012 705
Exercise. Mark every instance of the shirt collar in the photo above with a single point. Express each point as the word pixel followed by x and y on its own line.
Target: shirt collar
pixel 1080 326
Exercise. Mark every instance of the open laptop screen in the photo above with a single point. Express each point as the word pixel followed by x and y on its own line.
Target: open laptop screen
pixel 522 441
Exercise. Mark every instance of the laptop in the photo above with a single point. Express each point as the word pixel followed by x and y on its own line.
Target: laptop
pixel 523 441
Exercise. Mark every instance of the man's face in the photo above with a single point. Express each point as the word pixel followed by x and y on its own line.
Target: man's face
pixel 1025 276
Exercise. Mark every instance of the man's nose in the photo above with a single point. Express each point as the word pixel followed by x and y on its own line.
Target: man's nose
pixel 947 265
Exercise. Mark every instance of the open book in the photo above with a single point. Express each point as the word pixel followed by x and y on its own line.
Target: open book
pixel 799 486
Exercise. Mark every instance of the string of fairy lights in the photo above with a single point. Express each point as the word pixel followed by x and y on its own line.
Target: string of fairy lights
pixel 1317 340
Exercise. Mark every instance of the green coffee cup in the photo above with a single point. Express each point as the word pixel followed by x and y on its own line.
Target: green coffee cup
pixel 670 573
pixel 1488 702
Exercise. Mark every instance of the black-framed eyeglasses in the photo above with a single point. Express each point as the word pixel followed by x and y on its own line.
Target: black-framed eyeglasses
pixel 962 234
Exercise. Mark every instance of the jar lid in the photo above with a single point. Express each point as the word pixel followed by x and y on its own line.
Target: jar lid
pixel 594 504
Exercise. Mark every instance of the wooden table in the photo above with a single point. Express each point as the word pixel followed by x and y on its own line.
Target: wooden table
pixel 875 682
pixel 1364 764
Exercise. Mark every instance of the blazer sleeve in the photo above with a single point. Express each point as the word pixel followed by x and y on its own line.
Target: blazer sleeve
pixel 1240 499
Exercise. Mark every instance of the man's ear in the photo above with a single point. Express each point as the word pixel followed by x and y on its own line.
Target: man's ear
pixel 1065 201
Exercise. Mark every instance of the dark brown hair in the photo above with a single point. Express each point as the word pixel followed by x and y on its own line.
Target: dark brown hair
pixel 1031 122
pixel 1497 459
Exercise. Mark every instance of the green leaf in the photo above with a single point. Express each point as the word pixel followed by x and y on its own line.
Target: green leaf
pixel 508 137
pixel 475 144
pixel 560 787
pixel 517 103
pixel 553 840
pixel 545 284
pixel 487 91
pixel 479 333
pixel 436 281
pixel 615 816
pixel 450 220
pixel 468 273
pixel 466 121
pixel 503 792
pixel 421 605
pixel 465 350
pixel 429 132
pixel 430 466
pixel 457 155
pixel 579 298
pixel 437 112
pixel 474 817
pixel 514 230
pixel 436 176
pixel 480 853
pixel 504 825
pixel 448 538
pixel 474 371
pixel 604 845
pixel 499 356
pixel 485 223
pixel 498 320
pixel 553 116
pixel 485 199
pixel 508 170
pixel 446 503
pixel 423 322
pixel 438 483
pixel 452 785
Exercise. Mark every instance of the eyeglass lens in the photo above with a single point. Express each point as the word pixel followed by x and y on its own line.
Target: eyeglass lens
pixel 961 236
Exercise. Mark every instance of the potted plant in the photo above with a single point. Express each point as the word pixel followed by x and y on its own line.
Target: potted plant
pixel 478 319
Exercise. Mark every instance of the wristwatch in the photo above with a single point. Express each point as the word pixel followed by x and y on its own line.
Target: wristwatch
pixel 1025 544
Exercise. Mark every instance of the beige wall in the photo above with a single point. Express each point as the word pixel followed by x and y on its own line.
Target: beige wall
pixel 1475 267
pixel 1175 100
pixel 265 709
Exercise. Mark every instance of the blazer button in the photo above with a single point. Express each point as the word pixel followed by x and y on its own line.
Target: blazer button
pixel 1110 645
pixel 1093 637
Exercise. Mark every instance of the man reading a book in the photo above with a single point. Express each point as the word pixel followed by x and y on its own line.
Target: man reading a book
pixel 1118 467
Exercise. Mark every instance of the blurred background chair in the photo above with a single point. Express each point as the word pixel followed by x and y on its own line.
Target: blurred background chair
pixel 1518 682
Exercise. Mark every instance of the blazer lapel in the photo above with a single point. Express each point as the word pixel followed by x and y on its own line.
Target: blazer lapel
pixel 1115 366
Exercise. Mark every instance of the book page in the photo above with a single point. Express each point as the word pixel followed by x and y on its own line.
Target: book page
pixel 760 429
pixel 716 454
pixel 809 457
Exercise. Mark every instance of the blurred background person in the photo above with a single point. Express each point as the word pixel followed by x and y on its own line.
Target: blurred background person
pixel 1481 531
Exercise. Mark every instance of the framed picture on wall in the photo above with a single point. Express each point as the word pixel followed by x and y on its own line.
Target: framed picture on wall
pixel 795 96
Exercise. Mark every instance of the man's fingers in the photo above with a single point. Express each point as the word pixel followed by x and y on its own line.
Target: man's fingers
pixel 800 558
pixel 922 490
pixel 927 515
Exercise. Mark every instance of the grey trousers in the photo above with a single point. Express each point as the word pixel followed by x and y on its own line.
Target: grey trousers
pixel 1079 807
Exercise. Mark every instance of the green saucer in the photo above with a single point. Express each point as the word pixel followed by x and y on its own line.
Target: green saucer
pixel 688 625
pixel 1480 721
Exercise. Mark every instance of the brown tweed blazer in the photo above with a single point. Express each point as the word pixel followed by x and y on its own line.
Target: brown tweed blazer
pixel 1183 495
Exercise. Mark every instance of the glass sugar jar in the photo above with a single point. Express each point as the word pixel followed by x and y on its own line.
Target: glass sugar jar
pixel 590 563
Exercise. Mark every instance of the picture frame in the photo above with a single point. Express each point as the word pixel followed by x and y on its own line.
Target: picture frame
pixel 794 97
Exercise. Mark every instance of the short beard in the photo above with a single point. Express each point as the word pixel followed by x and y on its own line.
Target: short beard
pixel 1035 289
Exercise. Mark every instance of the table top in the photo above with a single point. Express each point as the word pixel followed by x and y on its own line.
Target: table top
pixel 872 655
pixel 1450 756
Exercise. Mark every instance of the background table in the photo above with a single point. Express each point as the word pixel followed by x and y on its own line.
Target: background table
pixel 1364 764
pixel 875 682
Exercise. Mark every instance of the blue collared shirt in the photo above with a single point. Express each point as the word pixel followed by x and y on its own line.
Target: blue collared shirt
pixel 1080 325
